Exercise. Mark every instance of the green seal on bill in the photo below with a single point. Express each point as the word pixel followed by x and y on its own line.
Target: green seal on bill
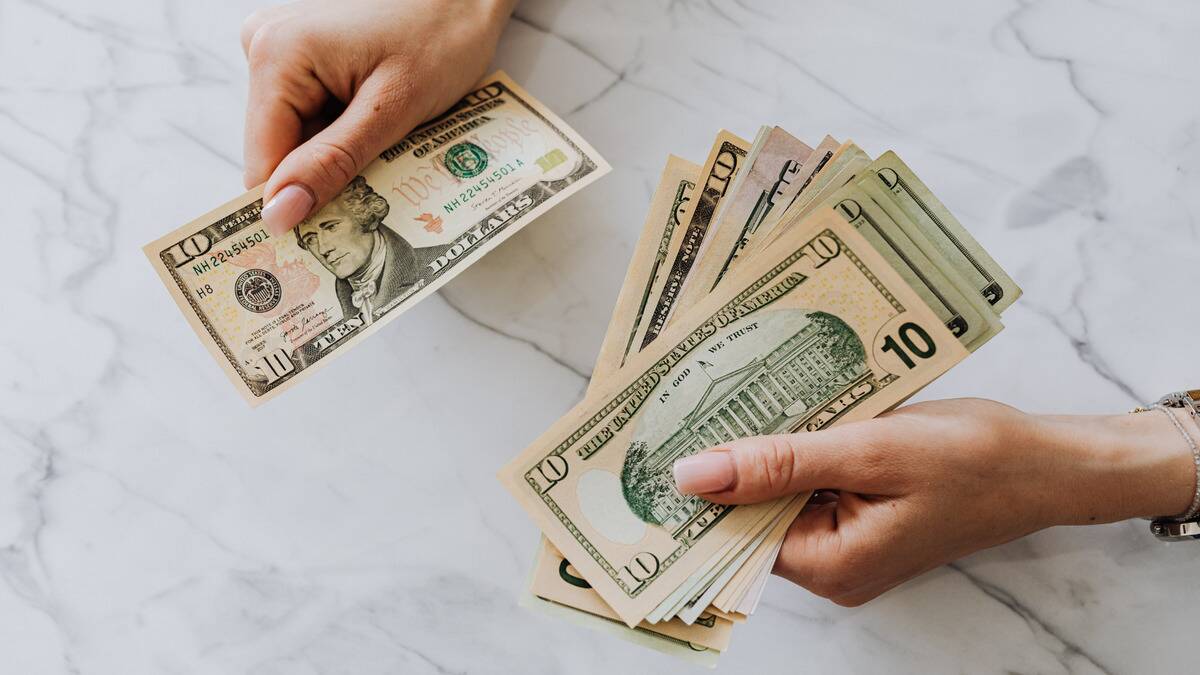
pixel 466 160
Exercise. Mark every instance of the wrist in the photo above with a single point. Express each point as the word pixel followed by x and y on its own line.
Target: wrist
pixel 1116 467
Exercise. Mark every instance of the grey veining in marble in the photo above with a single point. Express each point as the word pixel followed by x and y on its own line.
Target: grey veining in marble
pixel 151 523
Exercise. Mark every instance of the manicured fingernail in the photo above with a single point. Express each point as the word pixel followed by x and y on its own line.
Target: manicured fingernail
pixel 704 473
pixel 287 208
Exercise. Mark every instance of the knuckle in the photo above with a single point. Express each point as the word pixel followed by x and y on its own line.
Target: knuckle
pixel 335 164
pixel 252 22
pixel 249 26
pixel 268 39
pixel 774 463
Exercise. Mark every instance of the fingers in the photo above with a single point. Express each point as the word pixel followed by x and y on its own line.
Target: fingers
pixel 273 127
pixel 251 25
pixel 380 114
pixel 264 15
pixel 283 94
pixel 822 552
pixel 809 549
pixel 853 549
pixel 850 457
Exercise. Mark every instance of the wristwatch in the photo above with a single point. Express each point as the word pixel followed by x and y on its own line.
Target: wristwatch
pixel 1186 526
pixel 1169 530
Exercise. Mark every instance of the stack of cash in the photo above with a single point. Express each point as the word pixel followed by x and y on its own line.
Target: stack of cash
pixel 776 288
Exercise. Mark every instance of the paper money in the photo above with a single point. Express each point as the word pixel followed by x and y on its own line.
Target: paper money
pixel 950 238
pixel 771 166
pixel 670 202
pixel 934 278
pixel 819 329
pixel 271 309
pixel 599 482
pixel 961 310
pixel 680 649
pixel 556 580
pixel 818 160
pixel 846 163
pixel 720 169
pixel 552 579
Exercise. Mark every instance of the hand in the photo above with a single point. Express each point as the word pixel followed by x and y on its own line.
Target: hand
pixel 932 482
pixel 390 64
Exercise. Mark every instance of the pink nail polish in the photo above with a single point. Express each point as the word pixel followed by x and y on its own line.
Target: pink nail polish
pixel 287 208
pixel 705 473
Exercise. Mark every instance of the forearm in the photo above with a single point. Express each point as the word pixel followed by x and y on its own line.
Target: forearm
pixel 1114 467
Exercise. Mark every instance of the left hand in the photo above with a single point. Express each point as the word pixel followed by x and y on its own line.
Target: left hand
pixel 929 483
pixel 333 84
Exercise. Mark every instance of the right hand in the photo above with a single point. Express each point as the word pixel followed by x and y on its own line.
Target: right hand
pixel 928 483
pixel 392 65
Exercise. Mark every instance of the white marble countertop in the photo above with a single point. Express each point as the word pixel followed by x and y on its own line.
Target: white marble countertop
pixel 150 522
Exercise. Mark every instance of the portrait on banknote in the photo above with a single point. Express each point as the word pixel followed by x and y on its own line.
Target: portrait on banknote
pixel 373 264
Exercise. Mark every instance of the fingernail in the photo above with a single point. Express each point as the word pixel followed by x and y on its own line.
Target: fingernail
pixel 287 208
pixel 704 473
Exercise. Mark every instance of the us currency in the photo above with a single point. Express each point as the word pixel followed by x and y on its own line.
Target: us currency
pixel 606 361
pixel 747 597
pixel 949 238
pixel 681 649
pixel 724 161
pixel 931 276
pixel 271 309
pixel 938 285
pixel 770 167
pixel 670 202
pixel 699 590
pixel 694 609
pixel 909 252
pixel 821 182
pixel 552 579
pixel 742 595
pixel 818 160
pixel 935 281
pixel 896 248
pixel 761 220
pixel 847 162
pixel 715 221
pixel 817 330
pixel 730 553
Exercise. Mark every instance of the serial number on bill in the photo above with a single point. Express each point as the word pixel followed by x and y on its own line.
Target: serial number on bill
pixel 482 184
pixel 242 244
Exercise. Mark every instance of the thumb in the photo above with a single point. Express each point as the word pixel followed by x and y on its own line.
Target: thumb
pixel 380 114
pixel 762 468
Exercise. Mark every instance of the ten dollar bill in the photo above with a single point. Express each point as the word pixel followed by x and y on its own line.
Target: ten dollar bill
pixel 271 309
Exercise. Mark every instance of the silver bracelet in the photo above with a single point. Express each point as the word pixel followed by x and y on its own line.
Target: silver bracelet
pixel 1194 509
pixel 1187 526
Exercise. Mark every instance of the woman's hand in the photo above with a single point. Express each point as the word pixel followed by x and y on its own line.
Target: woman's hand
pixel 929 483
pixel 377 68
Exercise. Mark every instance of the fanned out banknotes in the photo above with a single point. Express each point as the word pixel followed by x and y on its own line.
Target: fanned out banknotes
pixel 271 309
pixel 776 288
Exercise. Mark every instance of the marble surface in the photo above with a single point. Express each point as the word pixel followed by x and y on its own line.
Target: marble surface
pixel 150 522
